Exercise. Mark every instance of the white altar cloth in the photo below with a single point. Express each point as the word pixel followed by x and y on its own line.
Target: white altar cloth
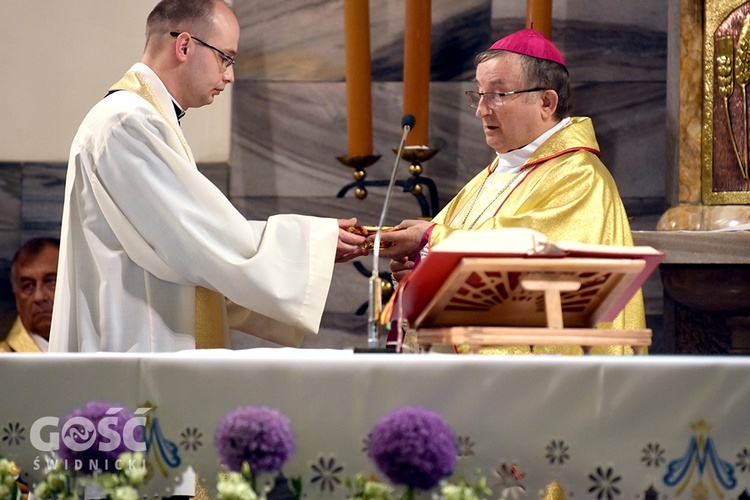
pixel 597 425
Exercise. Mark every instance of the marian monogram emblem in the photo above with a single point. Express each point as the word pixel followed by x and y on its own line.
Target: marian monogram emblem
pixel 166 453
pixel 701 466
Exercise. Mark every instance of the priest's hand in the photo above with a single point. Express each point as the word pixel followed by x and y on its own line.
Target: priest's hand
pixel 400 268
pixel 405 241
pixel 349 245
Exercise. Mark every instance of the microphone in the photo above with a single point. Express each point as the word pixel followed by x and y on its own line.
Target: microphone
pixel 375 295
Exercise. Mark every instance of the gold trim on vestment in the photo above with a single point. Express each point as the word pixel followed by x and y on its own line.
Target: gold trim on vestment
pixel 19 339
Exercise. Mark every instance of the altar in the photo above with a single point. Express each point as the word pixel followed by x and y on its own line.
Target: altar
pixel 634 427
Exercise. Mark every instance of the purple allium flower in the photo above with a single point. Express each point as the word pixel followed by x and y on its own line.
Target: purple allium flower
pixel 91 438
pixel 413 447
pixel 258 435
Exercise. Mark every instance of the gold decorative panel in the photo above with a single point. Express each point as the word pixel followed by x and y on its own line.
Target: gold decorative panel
pixel 725 146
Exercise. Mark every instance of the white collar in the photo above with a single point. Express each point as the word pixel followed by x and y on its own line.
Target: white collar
pixel 41 342
pixel 512 161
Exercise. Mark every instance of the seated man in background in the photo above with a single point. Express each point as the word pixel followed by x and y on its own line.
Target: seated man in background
pixel 33 275
pixel 546 175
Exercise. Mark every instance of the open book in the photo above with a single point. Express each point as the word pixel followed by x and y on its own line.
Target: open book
pixel 498 278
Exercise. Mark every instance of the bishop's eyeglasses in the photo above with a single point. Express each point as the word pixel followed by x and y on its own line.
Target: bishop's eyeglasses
pixel 226 59
pixel 494 99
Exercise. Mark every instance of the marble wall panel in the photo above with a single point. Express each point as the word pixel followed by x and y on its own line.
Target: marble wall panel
pixel 43 195
pixel 10 195
pixel 292 150
pixel 402 206
pixel 607 52
pixel 286 137
pixel 286 133
pixel 292 40
pixel 38 211
pixel 10 240
pixel 629 120
pixel 7 314
pixel 644 13
pixel 218 173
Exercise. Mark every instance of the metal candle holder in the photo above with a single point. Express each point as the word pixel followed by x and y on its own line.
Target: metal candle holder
pixel 416 155
pixel 380 288
pixel 358 163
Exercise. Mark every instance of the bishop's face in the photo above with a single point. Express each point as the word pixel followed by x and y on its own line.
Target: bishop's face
pixel 512 121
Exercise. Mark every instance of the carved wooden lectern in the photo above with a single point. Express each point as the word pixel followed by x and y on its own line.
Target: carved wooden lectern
pixel 546 295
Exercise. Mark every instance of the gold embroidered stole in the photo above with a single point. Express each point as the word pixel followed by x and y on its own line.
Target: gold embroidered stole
pixel 209 328
pixel 20 340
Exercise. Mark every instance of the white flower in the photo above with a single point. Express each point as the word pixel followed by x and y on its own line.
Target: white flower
pixel 457 492
pixel 42 491
pixel 134 467
pixel 232 486
pixel 125 493
pixel 378 491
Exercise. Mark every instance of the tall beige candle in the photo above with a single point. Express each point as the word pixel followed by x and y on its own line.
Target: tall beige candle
pixel 539 16
pixel 417 34
pixel 358 77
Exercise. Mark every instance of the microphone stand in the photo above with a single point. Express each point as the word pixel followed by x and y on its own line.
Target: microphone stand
pixel 375 297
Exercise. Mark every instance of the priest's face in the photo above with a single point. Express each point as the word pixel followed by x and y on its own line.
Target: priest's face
pixel 211 65
pixel 34 279
pixel 512 121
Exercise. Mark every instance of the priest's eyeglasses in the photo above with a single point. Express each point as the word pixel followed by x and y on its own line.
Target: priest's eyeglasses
pixel 494 99
pixel 226 59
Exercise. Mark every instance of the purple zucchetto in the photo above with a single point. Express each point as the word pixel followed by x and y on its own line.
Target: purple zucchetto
pixel 530 43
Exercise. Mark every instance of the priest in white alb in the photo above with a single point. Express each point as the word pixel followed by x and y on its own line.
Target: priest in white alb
pixel 153 256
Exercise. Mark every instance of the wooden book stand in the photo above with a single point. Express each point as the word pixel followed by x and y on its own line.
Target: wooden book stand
pixel 532 301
